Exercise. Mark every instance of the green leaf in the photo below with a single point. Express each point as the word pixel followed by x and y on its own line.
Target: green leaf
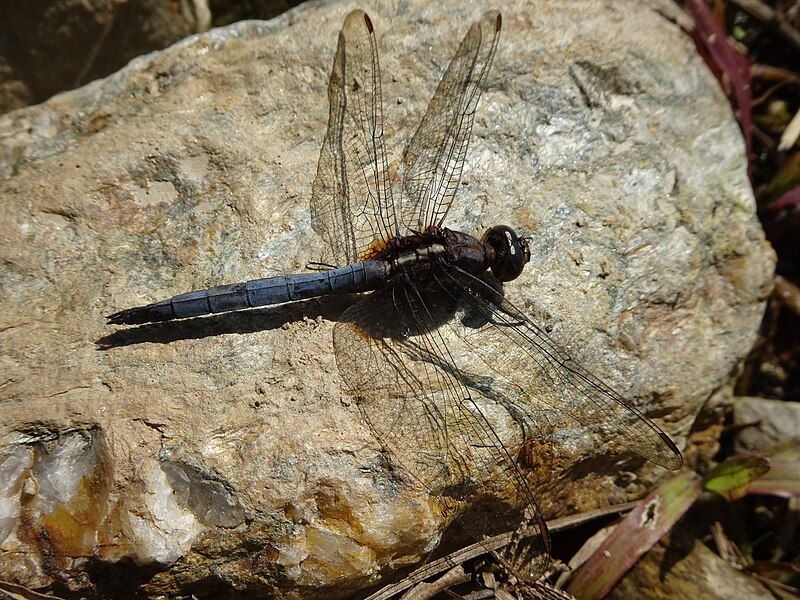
pixel 787 177
pixel 783 478
pixel 732 478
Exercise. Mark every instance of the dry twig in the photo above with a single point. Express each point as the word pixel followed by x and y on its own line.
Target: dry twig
pixel 459 557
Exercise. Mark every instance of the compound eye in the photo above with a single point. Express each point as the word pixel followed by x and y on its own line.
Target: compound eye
pixel 511 252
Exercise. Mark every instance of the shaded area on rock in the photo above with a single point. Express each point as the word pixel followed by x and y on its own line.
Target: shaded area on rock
pixel 48 46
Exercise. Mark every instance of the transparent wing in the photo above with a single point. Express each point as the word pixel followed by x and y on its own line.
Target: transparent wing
pixel 397 365
pixel 434 159
pixel 351 201
pixel 543 380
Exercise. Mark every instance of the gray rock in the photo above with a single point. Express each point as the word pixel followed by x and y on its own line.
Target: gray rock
pixel 224 456
pixel 777 420
pixel 697 572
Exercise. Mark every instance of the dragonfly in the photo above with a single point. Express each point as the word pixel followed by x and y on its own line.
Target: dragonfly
pixel 427 298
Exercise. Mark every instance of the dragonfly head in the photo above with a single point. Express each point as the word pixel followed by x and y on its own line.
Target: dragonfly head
pixel 511 252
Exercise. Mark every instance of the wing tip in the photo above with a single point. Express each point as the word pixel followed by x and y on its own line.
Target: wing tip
pixel 354 16
pixel 490 16
pixel 673 460
pixel 673 463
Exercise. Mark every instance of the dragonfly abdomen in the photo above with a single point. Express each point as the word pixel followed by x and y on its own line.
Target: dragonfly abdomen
pixel 356 277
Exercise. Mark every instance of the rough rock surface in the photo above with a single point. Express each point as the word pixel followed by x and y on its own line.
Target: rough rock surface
pixel 777 420
pixel 688 572
pixel 220 456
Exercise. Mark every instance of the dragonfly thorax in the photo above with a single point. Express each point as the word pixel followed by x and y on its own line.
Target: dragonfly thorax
pixel 416 254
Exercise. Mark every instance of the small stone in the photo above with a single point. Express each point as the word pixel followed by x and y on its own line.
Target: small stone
pixel 772 420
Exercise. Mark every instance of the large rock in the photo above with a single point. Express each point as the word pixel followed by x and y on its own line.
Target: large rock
pixel 221 455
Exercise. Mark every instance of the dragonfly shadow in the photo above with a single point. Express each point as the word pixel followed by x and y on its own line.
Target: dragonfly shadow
pixel 607 463
pixel 241 322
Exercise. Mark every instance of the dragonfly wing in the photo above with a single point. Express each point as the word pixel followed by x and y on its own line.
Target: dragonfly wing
pixel 434 159
pixel 408 388
pixel 400 399
pixel 351 201
pixel 544 380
